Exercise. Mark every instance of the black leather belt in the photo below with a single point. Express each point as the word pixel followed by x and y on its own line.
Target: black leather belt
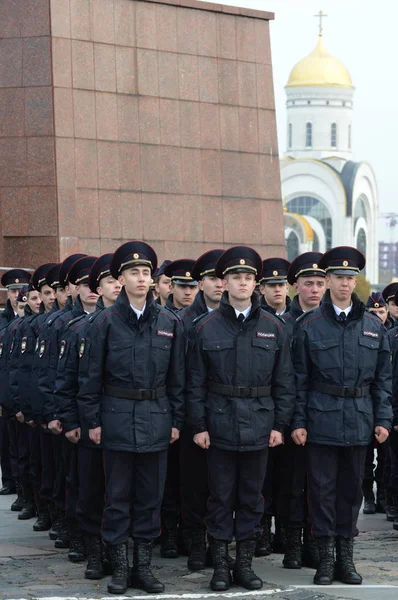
pixel 130 394
pixel 336 390
pixel 240 392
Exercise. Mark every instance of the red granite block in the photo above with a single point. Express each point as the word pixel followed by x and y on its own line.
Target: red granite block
pixel 103 23
pixel 267 132
pixel 14 205
pixel 40 161
pixel 36 61
pixel 125 23
pixel 127 110
pixel 11 19
pixel 210 136
pixel 149 120
pixel 208 79
pixel 126 74
pixel 265 87
pixel 131 215
pixel 154 211
pixel 174 229
pixel 193 219
pixel 130 166
pixel 65 162
pixel 12 112
pixel 147 67
pixel 207 33
pixel 191 171
pixel 108 165
pixel 231 174
pixel 62 62
pixel 105 67
pixel 166 27
pixel 213 226
pixel 83 65
pixel 110 214
pixel 249 175
pixel 67 212
pixel 248 129
pixel 30 251
pixel 35 18
pixel 168 75
pixel 245 39
pixel 211 172
pixel 187 31
pixel 269 177
pixel 80 13
pixel 87 207
pixel 106 116
pixel 239 219
pixel 86 163
pixel 151 169
pixel 10 62
pixel 109 245
pixel 263 44
pixel 146 25
pixel 39 119
pixel 247 84
pixel 188 75
pixel 84 114
pixel 170 157
pixel 229 120
pixel 226 36
pixel 271 221
pixel 42 211
pixel 13 161
pixel 228 81
pixel 170 122
pixel 60 18
pixel 190 124
pixel 90 246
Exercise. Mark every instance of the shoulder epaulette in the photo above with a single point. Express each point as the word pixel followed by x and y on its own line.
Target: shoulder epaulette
pixel 160 308
pixel 197 319
pixel 75 320
pixel 304 315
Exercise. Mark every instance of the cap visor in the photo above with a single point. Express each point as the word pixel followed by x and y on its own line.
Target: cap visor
pixel 343 272
pixel 184 282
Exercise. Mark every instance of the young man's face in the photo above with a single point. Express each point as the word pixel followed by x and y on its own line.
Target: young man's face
pixel 212 288
pixel 275 294
pixel 381 312
pixel 163 288
pixel 12 296
pixel 240 286
pixel 47 297
pixel 341 286
pixel 34 301
pixel 310 290
pixel 61 296
pixel 71 291
pixel 109 288
pixel 87 297
pixel 183 295
pixel 136 281
pixel 20 309
pixel 393 309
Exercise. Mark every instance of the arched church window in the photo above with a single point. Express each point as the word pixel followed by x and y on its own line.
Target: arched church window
pixel 290 135
pixel 333 135
pixel 360 209
pixel 349 137
pixel 361 243
pixel 292 246
pixel 308 135
pixel 312 207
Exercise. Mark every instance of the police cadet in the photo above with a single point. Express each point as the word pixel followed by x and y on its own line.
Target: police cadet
pixel 183 286
pixel 343 379
pixel 389 296
pixel 274 287
pixel 162 283
pixel 393 440
pixel 132 400
pixel 240 399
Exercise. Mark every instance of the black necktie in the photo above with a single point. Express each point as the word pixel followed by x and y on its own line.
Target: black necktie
pixel 241 318
pixel 343 316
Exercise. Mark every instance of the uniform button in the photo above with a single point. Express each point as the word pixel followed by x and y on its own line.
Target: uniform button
pixel 217 347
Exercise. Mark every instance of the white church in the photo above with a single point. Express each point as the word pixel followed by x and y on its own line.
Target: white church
pixel 329 200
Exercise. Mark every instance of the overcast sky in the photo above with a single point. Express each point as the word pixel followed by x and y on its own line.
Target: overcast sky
pixel 363 34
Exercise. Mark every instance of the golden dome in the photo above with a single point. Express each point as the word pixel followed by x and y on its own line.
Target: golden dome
pixel 320 69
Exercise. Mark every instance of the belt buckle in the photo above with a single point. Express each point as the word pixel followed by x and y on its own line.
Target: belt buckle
pixel 243 392
pixel 145 394
pixel 349 392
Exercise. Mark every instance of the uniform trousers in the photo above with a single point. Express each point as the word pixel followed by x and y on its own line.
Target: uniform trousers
pixel 90 506
pixel 172 488
pixel 71 469
pixel 14 448
pixel 391 469
pixel 194 484
pixel 292 508
pixel 235 483
pixel 273 480
pixel 134 491
pixel 335 475
pixel 5 457
pixel 47 439
pixel 35 458
pixel 58 494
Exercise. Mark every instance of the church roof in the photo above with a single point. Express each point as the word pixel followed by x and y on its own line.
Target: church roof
pixel 320 68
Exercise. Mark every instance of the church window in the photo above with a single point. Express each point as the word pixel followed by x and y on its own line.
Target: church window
pixel 290 135
pixel 349 137
pixel 308 135
pixel 307 205
pixel 292 246
pixel 333 135
pixel 361 243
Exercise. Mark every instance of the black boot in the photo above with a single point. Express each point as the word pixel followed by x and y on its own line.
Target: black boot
pixel 197 556
pixel 380 500
pixel 279 543
pixel 310 557
pixel 77 550
pixel 263 545
pixel 120 565
pixel 293 558
pixel 29 510
pixel 94 568
pixel 8 489
pixel 221 580
pixel 391 506
pixel 369 504
pixel 142 577
pixel 325 572
pixel 43 522
pixel 56 516
pixel 243 572
pixel 63 539
pixel 19 503
pixel 345 570
pixel 169 537
pixel 209 561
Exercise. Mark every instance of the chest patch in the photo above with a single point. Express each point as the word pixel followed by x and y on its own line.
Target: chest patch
pixel 62 348
pixel 24 343
pixel 82 347
pixel 263 334
pixel 371 334
pixel 42 348
pixel 163 333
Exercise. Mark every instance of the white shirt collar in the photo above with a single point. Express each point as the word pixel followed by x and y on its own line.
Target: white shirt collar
pixel 280 314
pixel 245 312
pixel 139 313
pixel 338 310
pixel 209 310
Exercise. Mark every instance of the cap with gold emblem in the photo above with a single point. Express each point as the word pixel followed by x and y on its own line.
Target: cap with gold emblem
pixel 305 265
pixel 40 275
pixel 342 260
pixel 66 266
pixel 133 254
pixel 390 290
pixel 80 270
pixel 52 277
pixel 15 279
pixel 206 264
pixel 376 300
pixel 101 268
pixel 274 270
pixel 181 271
pixel 239 259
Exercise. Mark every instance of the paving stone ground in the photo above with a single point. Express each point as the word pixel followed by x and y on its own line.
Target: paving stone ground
pixel 30 568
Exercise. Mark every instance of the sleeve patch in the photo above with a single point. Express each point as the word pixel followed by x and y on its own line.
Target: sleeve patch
pixel 82 347
pixel 42 348
pixel 62 349
pixel 24 343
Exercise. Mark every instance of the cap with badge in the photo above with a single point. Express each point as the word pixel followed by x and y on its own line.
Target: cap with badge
pixel 343 260
pixel 80 270
pixel 14 279
pixel 39 277
pixel 160 270
pixel 66 266
pixel 305 265
pixel 390 291
pixel 274 270
pixel 23 294
pixel 52 277
pixel 133 254
pixel 376 300
pixel 206 264
pixel 239 259
pixel 101 268
pixel 180 271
